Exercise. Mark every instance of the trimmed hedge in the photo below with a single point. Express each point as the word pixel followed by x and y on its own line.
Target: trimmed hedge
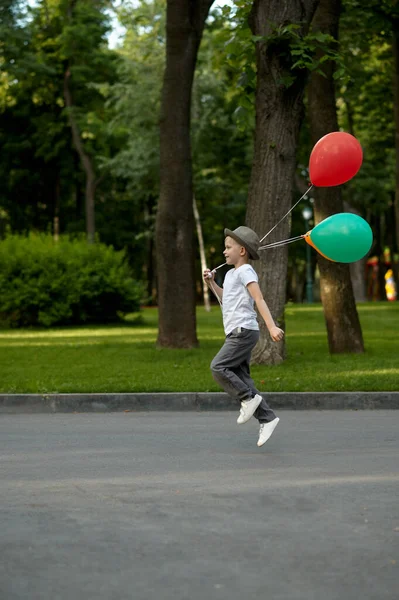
pixel 69 282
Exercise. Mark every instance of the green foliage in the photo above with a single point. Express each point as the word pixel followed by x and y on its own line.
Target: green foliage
pixel 133 100
pixel 239 54
pixel 222 152
pixel 39 168
pixel 132 105
pixel 299 51
pixel 308 52
pixel 68 282
pixel 366 102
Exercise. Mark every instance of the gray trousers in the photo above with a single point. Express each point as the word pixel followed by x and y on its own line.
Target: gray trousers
pixel 230 369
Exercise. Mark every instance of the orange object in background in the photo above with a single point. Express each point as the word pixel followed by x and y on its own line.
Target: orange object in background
pixel 390 286
pixel 373 281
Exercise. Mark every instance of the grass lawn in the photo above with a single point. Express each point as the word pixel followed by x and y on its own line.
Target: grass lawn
pixel 123 358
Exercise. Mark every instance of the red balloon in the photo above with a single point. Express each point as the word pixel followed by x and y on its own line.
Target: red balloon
pixel 335 159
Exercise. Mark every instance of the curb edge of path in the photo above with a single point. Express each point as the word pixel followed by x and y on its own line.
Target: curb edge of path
pixel 191 401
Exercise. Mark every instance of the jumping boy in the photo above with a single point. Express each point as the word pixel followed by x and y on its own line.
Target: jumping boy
pixel 230 367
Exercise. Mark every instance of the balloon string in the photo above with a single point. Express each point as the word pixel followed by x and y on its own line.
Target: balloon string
pixel 282 242
pixel 272 245
pixel 282 219
pixel 273 228
pixel 216 268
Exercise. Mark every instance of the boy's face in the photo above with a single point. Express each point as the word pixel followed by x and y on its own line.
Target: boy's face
pixel 233 251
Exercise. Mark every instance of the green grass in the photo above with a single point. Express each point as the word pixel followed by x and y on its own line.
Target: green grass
pixel 124 358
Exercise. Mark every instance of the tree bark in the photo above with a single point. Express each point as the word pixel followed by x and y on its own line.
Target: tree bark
pixel 279 110
pixel 175 242
pixel 342 320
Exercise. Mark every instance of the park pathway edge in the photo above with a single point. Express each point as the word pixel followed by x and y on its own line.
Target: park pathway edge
pixel 191 401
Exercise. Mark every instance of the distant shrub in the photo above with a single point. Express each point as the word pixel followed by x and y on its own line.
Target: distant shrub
pixel 46 283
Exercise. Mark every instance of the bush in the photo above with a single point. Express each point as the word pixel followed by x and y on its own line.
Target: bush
pixel 46 283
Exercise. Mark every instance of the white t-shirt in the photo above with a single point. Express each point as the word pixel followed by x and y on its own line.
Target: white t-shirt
pixel 238 304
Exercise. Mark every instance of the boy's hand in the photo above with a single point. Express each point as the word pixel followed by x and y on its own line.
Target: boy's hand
pixel 276 334
pixel 208 275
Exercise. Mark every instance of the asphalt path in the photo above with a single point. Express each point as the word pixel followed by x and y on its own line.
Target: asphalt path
pixel 184 506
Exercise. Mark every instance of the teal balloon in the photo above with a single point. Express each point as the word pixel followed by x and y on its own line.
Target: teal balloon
pixel 343 237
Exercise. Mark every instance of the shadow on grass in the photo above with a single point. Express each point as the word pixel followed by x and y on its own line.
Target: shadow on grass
pixel 131 321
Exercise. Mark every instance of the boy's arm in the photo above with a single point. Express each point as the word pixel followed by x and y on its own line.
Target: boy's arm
pixel 209 278
pixel 276 333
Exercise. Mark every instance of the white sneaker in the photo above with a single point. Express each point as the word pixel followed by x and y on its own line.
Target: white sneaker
pixel 248 407
pixel 265 431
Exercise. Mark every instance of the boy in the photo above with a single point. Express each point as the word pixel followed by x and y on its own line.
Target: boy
pixel 230 367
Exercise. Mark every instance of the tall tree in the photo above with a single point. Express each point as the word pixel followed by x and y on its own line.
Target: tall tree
pixel 82 40
pixel 277 24
pixel 175 243
pixel 343 326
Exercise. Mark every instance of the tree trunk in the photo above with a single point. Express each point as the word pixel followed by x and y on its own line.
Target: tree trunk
pixel 358 277
pixel 175 244
pixel 342 320
pixel 279 111
pixel 85 160
pixel 205 290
